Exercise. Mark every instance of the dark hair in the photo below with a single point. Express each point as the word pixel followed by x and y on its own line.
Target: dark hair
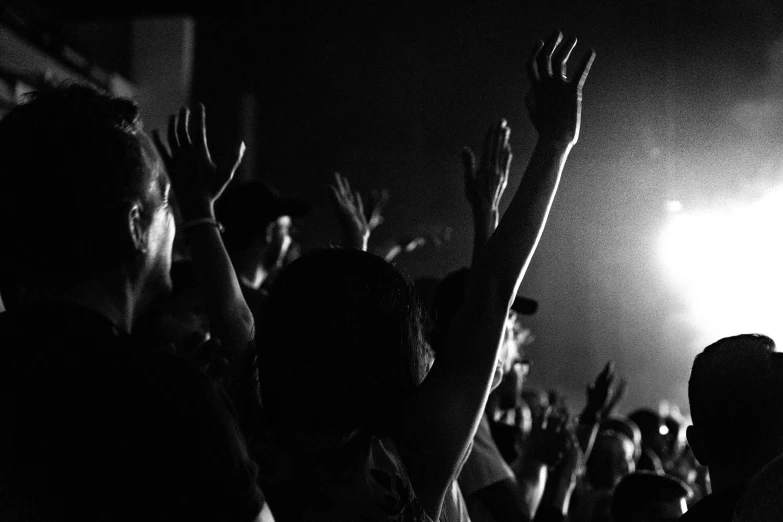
pixel 341 345
pixel 638 491
pixel 736 398
pixel 72 162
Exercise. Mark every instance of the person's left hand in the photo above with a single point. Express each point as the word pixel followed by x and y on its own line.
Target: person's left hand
pixel 485 183
pixel 197 180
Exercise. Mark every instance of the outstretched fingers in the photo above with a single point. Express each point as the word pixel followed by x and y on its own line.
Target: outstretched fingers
pixel 532 63
pixel 561 57
pixel 545 55
pixel 183 137
pixel 198 131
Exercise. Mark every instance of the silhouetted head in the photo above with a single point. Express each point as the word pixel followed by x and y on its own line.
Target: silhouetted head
pixel 342 344
pixel 628 428
pixel 84 192
pixel 736 400
pixel 647 497
pixel 612 458
pixel 653 428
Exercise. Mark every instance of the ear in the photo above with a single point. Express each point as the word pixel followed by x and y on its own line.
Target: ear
pixel 696 440
pixel 136 229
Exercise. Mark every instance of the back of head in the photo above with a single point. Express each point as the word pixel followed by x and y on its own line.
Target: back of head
pixel 736 399
pixel 649 497
pixel 611 459
pixel 628 428
pixel 341 344
pixel 72 161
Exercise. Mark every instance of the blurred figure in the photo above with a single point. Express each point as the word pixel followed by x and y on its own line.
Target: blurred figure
pixel 258 223
pixel 654 440
pixel 628 428
pixel 649 497
pixel 611 459
pixel 736 399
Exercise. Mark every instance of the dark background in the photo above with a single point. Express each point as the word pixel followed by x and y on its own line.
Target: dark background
pixel 683 103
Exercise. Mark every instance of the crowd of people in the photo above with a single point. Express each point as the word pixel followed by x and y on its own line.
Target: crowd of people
pixel 210 370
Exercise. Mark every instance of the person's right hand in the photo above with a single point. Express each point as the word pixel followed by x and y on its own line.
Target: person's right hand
pixel 555 102
pixel 196 179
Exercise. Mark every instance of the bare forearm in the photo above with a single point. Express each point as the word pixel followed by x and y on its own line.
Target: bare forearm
pixel 511 247
pixel 230 318
pixel 485 221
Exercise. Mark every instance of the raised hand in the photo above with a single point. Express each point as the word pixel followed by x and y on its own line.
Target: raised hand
pixel 549 437
pixel 485 183
pixel 602 394
pixel 356 224
pixel 554 101
pixel 197 181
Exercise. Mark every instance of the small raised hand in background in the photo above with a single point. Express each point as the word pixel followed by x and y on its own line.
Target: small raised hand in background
pixel 603 394
pixel 486 182
pixel 357 223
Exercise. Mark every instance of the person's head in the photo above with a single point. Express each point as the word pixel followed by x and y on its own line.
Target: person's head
pixel 628 428
pixel 342 344
pixel 736 399
pixel 612 458
pixel 648 497
pixel 654 430
pixel 513 364
pixel 85 194
pixel 257 221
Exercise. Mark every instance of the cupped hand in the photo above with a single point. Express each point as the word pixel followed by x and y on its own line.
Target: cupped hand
pixel 196 179
pixel 485 183
pixel 555 101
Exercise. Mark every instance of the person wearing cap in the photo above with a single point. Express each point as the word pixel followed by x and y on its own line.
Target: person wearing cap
pixel 257 233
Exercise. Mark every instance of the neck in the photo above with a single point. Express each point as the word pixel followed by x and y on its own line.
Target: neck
pixel 723 478
pixel 111 295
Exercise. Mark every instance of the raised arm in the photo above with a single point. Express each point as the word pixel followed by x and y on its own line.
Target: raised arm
pixel 198 182
pixel 443 413
pixel 485 184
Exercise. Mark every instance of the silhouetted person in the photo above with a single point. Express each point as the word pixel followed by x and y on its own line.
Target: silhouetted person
pixel 736 399
pixel 94 425
pixel 645 496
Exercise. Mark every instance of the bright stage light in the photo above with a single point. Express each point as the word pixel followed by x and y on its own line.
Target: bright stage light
pixel 727 265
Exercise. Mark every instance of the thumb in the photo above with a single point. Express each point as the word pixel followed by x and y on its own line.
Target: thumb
pixel 231 164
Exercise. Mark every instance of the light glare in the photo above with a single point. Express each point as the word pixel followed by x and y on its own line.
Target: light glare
pixel 727 265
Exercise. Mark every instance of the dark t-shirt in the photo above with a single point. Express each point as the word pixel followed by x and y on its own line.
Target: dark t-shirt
pixel 716 507
pixel 94 426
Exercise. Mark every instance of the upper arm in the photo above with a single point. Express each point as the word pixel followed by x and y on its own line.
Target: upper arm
pixel 502 499
pixel 442 415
